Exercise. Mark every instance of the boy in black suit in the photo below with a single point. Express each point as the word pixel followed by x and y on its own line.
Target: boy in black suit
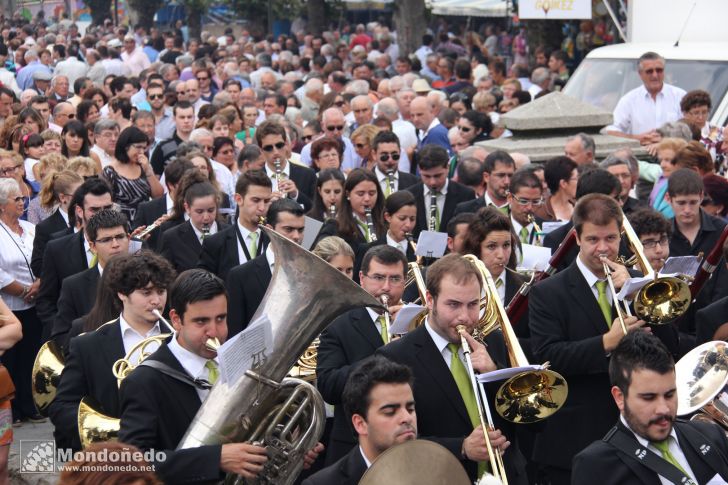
pixel 649 445
pixel 378 399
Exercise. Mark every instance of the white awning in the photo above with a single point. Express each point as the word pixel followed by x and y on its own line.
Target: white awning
pixel 470 8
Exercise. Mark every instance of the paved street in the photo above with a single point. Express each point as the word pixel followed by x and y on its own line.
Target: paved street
pixel 29 431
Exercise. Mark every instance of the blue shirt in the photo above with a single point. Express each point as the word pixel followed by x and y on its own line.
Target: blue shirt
pixel 25 76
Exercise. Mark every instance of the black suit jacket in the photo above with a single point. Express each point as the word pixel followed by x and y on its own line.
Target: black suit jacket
pixel 603 464
pixel 350 338
pixel 78 294
pixel 246 285
pixel 147 212
pixel 709 319
pixel 456 194
pixel 220 251
pixel 305 180
pixel 347 471
pixel 88 372
pixel 43 232
pixel 156 411
pixel 632 205
pixel 566 327
pixel 63 257
pixel 470 206
pixel 403 182
pixel 441 413
pixel 180 245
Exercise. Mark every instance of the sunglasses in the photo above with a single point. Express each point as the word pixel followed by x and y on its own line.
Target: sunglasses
pixel 658 70
pixel 361 145
pixel 464 129
pixel 204 78
pixel 158 96
pixel 339 104
pixel 335 128
pixel 277 146
pixel 385 156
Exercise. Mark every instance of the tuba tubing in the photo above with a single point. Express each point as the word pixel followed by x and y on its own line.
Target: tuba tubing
pixel 304 296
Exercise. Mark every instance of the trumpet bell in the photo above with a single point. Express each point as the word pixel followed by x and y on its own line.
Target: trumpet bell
pixel 47 369
pixel 662 300
pixel 95 426
pixel 531 396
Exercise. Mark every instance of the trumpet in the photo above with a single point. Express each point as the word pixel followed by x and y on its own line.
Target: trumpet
pixel 371 233
pixel 496 460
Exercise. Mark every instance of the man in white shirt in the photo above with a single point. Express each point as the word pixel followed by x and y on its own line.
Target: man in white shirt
pixel 648 444
pixel 71 67
pixel 378 397
pixel 644 109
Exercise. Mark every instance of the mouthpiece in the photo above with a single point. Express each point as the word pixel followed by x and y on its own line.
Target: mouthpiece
pixel 212 344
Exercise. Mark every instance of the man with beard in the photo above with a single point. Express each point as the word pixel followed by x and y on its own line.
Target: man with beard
pixel 379 402
pixel 649 445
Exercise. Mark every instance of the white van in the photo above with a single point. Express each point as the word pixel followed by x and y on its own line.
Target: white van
pixel 698 61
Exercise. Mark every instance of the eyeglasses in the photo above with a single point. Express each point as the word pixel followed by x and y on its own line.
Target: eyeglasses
pixel 118 238
pixel 386 156
pixel 9 170
pixel 658 70
pixel 277 146
pixel 533 202
pixel 380 278
pixel 335 128
pixel 361 145
pixel 652 243
pixel 159 96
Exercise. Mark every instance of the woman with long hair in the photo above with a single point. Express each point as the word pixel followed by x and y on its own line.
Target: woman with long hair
pixel 55 194
pixel 329 193
pixel 337 253
pixel 400 213
pixel 74 140
pixel 474 127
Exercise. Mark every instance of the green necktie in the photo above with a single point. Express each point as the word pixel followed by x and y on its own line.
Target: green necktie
pixel 462 380
pixel 365 228
pixel 213 373
pixel 524 235
pixel 94 260
pixel 253 244
pixel 663 446
pixel 604 302
pixel 383 330
pixel 498 283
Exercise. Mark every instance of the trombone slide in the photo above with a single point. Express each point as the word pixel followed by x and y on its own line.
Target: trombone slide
pixel 617 306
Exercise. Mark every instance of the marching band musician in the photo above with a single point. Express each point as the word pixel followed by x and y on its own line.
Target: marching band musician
pixel 289 180
pixel 247 283
pixel 525 196
pixel 649 445
pixel 653 231
pixel 140 282
pixel 244 240
pixel 157 409
pixel 574 327
pixel 434 164
pixel 107 235
pixel 446 407
pixel 378 400
pixel 355 335
pixel 499 168
pixel 386 150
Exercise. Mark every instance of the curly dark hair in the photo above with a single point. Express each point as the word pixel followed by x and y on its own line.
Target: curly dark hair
pixel 140 269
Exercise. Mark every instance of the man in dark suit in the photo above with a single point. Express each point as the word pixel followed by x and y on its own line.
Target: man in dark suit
pixel 141 281
pixel 386 153
pixel 378 398
pixel 108 235
pixel 248 282
pixel 296 182
pixel 182 243
pixel 499 168
pixel 244 240
pixel 446 408
pixel 433 163
pixel 198 312
pixel 356 335
pixel 525 195
pixel 69 254
pixel 649 445
pixel 573 326
pixel 150 211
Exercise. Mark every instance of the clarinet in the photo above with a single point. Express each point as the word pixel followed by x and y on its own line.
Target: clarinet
pixel 390 181
pixel 279 172
pixel 332 211
pixel 370 224
pixel 433 212
pixel 519 303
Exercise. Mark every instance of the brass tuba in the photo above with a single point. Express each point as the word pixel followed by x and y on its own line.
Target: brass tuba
pixel 702 383
pixel 47 369
pixel 285 415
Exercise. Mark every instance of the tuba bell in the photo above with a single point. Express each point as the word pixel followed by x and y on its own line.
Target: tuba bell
pixel 702 383
pixel 47 369
pixel 286 415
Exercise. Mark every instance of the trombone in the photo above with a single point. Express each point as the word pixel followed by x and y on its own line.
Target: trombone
pixel 536 229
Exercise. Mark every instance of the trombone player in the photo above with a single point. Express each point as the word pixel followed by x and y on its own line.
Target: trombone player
pixel 446 407
pixel 575 326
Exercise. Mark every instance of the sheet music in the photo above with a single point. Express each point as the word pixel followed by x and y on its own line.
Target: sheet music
pixel 431 244
pixel 687 265
pixel 404 317
pixel 504 374
pixel 310 231
pixel 246 350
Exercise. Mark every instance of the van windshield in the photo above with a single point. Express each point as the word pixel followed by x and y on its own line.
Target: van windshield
pixel 602 82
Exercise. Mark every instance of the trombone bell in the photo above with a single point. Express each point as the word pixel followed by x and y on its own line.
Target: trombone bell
pixel 662 300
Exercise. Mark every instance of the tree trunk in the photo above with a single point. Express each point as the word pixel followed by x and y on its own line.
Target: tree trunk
pixel 100 11
pixel 143 11
pixel 411 25
pixel 194 21
pixel 544 32
pixel 316 16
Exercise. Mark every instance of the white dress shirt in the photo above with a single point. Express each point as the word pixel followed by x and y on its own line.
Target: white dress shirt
pixel 502 287
pixel 636 112
pixel 591 280
pixel 285 174
pixel 105 158
pixel 169 203
pixel 442 344
pixel 15 255
pixel 131 337
pixel 193 364
pixel 489 202
pixel 402 245
pixel 375 316
pixel 198 233
pixel 246 237
pixel 64 214
pixel 384 180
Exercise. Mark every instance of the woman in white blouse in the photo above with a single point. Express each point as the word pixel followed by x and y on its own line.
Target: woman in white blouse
pixel 18 288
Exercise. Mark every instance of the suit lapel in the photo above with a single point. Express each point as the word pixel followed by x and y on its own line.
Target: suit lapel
pixel 433 362
pixel 353 467
pixel 112 342
pixel 263 272
pixel 187 235
pixel 450 203
pixel 419 193
pixel 363 324
pixel 81 249
pixel 585 298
